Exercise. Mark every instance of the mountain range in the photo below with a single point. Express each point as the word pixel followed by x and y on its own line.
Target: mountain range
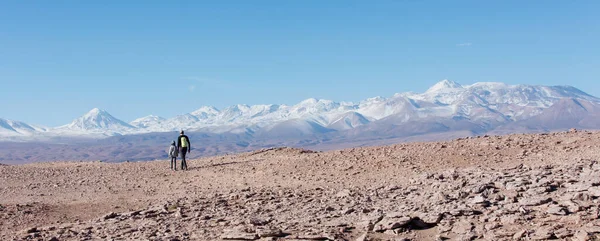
pixel 446 109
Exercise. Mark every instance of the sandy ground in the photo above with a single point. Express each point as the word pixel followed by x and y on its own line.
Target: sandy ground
pixel 298 194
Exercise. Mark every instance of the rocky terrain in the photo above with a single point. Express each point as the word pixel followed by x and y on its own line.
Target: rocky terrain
pixel 515 187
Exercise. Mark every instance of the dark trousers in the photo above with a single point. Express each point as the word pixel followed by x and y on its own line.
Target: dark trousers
pixel 174 163
pixel 183 151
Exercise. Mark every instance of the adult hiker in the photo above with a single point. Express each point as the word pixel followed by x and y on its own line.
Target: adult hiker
pixel 173 152
pixel 183 142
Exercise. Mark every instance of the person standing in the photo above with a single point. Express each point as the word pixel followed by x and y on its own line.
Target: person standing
pixel 173 152
pixel 183 142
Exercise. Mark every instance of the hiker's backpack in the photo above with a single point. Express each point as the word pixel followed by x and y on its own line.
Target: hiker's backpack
pixel 184 142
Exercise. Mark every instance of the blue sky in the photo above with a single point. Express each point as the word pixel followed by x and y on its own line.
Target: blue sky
pixel 59 59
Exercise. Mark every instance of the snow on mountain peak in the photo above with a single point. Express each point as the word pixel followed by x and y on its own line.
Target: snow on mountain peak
pixel 488 85
pixel 444 85
pixel 97 119
pixel 446 99
pixel 95 111
pixel 309 101
pixel 235 109
pixel 205 112
pixel 147 121
pixel 149 117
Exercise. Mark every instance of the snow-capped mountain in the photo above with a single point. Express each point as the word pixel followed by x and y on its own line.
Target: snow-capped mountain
pixel 95 121
pixel 444 86
pixel 147 121
pixel 205 112
pixel 349 120
pixel 16 128
pixel 447 105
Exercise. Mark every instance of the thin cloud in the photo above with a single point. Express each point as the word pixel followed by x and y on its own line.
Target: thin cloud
pixel 464 44
pixel 192 88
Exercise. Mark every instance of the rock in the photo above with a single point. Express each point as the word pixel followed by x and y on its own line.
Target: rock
pixel 557 210
pixel 392 222
pixel 440 238
pixel 519 235
pixel 572 207
pixel 492 226
pixel 480 188
pixel 462 227
pixel 430 217
pixel 524 210
pixel 581 197
pixel 543 233
pixel 238 234
pixel 478 199
pixel 420 224
pixel 110 215
pixel 130 214
pixel 258 221
pixel 581 236
pixel 315 237
pixel 392 188
pixel 535 201
pixel 594 191
pixel 348 211
pixel 591 228
pixel 269 232
pixel 563 233
pixel 344 193
pixel 467 236
pixel 362 237
pixel 365 225
pixel 368 223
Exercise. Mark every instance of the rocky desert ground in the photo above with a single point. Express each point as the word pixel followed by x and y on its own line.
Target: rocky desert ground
pixel 514 187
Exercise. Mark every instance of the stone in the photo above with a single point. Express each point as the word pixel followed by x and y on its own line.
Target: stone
pixel 594 229
pixel 510 219
pixel 594 191
pixel 362 237
pixel 348 211
pixel 344 193
pixel 110 215
pixel 316 237
pixel 430 217
pixel 364 225
pixel 563 233
pixel 534 201
pixel 478 199
pixel 491 226
pixel 467 236
pixel 391 223
pixel 238 234
pixel 581 197
pixel 557 210
pixel 258 221
pixel 543 233
pixel 581 236
pixel 269 232
pixel 131 214
pixel 462 227
pixel 519 235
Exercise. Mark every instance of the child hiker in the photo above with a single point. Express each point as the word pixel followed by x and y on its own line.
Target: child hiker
pixel 173 151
